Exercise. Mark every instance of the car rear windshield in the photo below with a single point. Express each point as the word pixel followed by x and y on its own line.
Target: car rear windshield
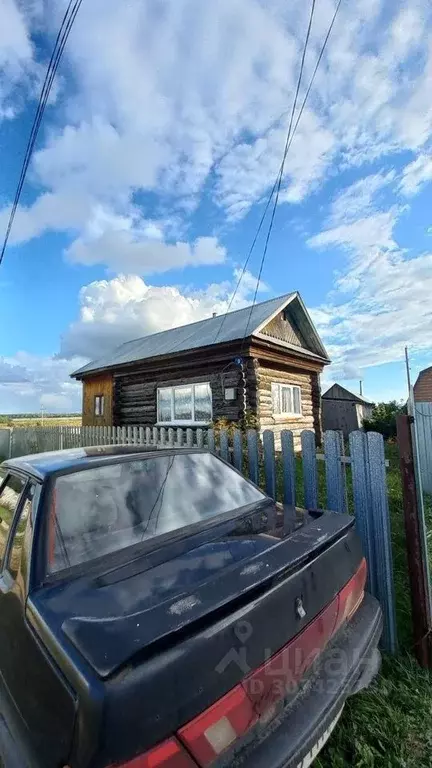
pixel 100 510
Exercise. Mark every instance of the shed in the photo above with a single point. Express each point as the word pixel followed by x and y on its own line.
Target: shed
pixel 344 410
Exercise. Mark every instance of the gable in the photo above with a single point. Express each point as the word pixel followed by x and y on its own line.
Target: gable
pixel 292 325
pixel 284 328
pixel 336 392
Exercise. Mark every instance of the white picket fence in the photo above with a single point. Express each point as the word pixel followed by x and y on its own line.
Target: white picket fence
pixel 352 483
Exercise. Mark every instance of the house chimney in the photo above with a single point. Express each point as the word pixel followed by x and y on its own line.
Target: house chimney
pixel 214 314
pixel 361 388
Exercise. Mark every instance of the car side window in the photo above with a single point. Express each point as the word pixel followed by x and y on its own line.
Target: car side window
pixel 10 494
pixel 21 534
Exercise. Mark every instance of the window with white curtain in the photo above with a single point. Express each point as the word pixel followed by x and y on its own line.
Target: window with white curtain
pixel 184 404
pixel 286 399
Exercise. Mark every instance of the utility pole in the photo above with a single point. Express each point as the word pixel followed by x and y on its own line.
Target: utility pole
pixel 407 370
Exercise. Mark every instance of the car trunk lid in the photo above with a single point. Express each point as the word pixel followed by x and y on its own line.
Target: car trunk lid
pixel 152 602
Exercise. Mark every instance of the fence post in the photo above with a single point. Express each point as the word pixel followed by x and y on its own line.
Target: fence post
pixel 179 437
pixel 288 467
pixel 200 438
pixel 252 442
pixel 310 481
pixel 224 447
pixel 189 437
pixel 383 546
pixel 237 450
pixel 334 472
pixel 362 503
pixel 211 440
pixel 417 567
pixel 269 463
pixel 11 444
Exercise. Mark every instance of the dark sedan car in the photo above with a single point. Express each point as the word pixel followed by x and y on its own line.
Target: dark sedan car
pixel 157 610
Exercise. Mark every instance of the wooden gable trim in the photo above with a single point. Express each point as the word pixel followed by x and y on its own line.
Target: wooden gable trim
pixel 311 327
pixel 269 351
pixel 274 314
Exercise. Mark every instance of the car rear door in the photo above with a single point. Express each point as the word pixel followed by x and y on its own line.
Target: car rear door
pixel 40 709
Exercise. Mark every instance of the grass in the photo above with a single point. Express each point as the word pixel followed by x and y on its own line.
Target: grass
pixel 390 724
pixel 37 421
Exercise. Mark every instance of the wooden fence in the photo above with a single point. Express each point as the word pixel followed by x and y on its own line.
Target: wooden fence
pixel 354 483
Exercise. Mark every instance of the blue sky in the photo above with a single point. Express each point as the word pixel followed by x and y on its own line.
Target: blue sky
pixel 161 141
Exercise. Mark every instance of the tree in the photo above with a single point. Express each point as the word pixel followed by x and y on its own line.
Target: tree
pixel 383 418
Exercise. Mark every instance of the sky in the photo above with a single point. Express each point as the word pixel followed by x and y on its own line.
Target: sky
pixel 160 144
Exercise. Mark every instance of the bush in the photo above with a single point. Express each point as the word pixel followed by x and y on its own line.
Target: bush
pixel 383 419
pixel 249 421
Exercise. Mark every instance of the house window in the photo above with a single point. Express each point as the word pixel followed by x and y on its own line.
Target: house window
pixel 185 404
pixel 286 400
pixel 99 405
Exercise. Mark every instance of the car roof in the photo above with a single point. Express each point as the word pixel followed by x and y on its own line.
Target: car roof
pixel 40 465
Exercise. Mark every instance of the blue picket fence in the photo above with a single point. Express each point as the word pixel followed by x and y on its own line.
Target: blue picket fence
pixel 354 483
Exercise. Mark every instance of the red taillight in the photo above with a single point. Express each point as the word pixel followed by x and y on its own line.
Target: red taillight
pixel 212 732
pixel 352 595
pixel 169 754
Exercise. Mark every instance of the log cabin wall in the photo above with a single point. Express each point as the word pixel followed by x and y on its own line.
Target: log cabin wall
pixel 101 384
pixel 131 394
pixel 135 391
pixel 309 384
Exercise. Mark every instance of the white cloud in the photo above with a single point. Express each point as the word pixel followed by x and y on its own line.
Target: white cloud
pixel 390 308
pixel 416 174
pixel 359 198
pixel 124 308
pixel 195 101
pixel 111 312
pixel 11 374
pixel 17 65
pixel 36 381
pixel 388 291
pixel 367 234
pixel 126 250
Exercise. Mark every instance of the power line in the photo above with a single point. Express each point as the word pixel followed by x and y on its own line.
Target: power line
pixel 279 182
pixel 312 80
pixel 61 40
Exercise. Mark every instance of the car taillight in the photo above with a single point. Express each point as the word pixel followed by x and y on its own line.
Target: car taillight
pixel 212 732
pixel 351 596
pixel 169 754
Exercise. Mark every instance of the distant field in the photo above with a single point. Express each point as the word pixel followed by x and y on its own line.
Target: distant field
pixel 37 421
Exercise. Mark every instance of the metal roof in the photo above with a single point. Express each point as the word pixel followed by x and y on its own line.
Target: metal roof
pixel 229 327
pixel 328 395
